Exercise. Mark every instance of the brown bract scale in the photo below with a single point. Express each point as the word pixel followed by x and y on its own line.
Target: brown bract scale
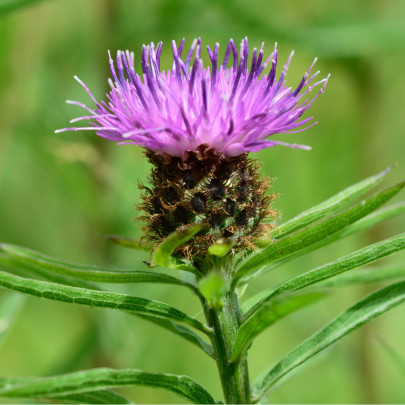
pixel 226 193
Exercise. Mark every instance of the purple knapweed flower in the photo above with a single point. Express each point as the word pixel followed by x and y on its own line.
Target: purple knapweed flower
pixel 232 110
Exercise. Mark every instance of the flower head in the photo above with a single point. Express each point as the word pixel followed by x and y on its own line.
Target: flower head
pixel 233 109
pixel 198 125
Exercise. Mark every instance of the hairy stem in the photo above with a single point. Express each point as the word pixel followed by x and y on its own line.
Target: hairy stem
pixel 234 376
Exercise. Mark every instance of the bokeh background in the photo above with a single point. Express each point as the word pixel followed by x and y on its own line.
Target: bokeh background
pixel 60 194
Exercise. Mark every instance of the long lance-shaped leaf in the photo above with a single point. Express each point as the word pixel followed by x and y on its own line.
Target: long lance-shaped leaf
pixel 163 254
pixel 373 275
pixel 356 259
pixel 101 379
pixel 88 397
pixel 375 218
pixel 329 206
pixel 182 331
pixel 24 269
pixel 357 315
pixel 368 221
pixel 93 298
pixel 269 314
pixel 312 235
pixel 94 397
pixel 24 256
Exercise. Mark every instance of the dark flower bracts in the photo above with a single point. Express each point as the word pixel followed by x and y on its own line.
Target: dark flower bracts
pixel 198 125
pixel 225 193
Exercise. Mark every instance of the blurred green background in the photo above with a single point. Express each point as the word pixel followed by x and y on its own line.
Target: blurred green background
pixel 60 194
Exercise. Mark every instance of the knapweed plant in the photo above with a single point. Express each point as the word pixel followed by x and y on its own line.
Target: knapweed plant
pixel 207 211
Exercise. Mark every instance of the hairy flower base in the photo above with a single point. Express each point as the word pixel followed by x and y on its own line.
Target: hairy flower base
pixel 223 192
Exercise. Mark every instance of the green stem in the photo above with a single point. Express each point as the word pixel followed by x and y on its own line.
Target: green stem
pixel 225 322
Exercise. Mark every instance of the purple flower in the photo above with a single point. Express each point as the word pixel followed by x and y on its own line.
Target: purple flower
pixel 231 109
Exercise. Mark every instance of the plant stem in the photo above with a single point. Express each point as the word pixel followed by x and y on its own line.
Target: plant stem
pixel 225 322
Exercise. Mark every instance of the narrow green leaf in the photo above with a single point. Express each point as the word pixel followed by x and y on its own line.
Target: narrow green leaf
pixel 93 397
pixel 24 256
pixel 163 254
pixel 267 315
pixel 329 206
pixel 101 379
pixel 356 259
pixel 182 331
pixel 354 317
pixel 87 397
pixel 167 324
pixel 373 275
pixel 375 218
pixel 311 236
pixel 368 221
pixel 93 298
pixel 10 306
pixel 25 269
pixel 129 243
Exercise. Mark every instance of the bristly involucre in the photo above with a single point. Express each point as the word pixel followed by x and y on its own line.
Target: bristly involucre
pixel 225 193
pixel 228 106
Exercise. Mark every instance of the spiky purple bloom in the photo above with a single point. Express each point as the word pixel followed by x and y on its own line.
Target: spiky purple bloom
pixel 232 109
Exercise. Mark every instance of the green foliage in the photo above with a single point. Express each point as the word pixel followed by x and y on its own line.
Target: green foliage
pixel 230 331
pixel 93 397
pixel 305 232
pixel 102 379
pixel 182 331
pixel 59 195
pixel 375 218
pixel 329 206
pixel 372 275
pixel 359 258
pixel 24 268
pixel 93 298
pixel 364 311
pixel 307 238
pixel 268 314
pixel 26 257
